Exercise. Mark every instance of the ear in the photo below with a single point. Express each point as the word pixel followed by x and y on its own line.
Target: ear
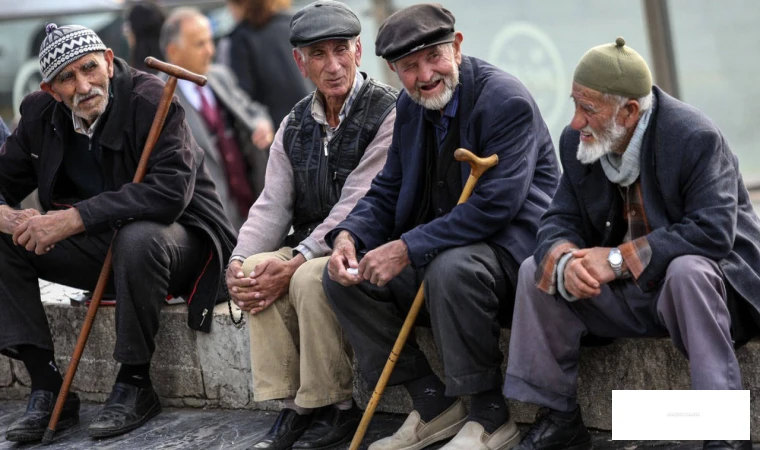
pixel 358 56
pixel 108 55
pixel 458 38
pixel 631 113
pixel 391 66
pixel 47 87
pixel 300 63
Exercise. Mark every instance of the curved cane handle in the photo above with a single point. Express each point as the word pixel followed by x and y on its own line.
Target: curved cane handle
pixel 175 71
pixel 478 165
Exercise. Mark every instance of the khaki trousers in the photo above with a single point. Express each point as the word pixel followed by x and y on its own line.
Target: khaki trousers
pixel 297 346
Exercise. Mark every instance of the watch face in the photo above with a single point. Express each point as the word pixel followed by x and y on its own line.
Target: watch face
pixel 615 258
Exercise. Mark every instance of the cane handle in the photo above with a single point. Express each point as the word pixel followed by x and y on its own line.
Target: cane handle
pixel 477 164
pixel 174 71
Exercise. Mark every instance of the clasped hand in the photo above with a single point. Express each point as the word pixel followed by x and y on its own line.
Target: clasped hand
pixel 268 281
pixel 40 232
pixel 379 266
pixel 587 271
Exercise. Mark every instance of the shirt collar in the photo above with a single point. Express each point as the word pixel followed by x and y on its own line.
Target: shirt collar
pixel 318 105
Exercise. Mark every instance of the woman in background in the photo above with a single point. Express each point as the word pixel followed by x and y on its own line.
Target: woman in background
pixel 261 56
pixel 142 27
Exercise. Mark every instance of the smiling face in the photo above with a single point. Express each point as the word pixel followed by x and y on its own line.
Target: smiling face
pixel 83 85
pixel 431 75
pixel 605 125
pixel 330 65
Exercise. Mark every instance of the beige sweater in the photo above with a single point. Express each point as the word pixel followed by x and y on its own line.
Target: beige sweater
pixel 270 218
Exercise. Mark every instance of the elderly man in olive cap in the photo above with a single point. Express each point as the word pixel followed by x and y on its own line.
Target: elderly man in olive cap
pixel 323 159
pixel 78 143
pixel 411 229
pixel 651 233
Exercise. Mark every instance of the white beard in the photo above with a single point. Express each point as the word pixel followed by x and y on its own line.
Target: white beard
pixel 440 101
pixel 605 142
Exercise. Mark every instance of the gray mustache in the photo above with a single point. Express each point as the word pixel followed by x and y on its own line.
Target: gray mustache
pixel 93 92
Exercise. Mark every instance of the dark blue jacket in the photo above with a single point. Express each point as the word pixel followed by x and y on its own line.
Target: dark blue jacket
pixel 694 198
pixel 497 115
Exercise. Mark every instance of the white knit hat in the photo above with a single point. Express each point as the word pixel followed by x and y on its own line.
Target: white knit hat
pixel 64 45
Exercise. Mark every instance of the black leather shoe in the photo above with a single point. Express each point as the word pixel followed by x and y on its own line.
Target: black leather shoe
pixel 727 445
pixel 32 425
pixel 552 431
pixel 127 408
pixel 288 427
pixel 330 429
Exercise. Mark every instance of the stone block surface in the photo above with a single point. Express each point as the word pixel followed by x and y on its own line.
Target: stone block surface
pixel 6 373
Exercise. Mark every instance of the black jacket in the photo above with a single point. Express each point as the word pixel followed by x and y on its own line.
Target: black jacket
pixel 176 188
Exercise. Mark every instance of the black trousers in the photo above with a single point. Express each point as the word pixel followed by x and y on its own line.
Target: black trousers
pixel 465 288
pixel 149 261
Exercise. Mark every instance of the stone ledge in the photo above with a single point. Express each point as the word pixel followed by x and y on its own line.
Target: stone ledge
pixel 213 370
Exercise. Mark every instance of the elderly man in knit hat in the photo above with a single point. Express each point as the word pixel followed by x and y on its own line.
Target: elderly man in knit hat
pixel 651 233
pixel 408 229
pixel 324 156
pixel 78 143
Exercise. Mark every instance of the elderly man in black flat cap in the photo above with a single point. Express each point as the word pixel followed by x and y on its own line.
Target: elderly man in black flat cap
pixel 323 159
pixel 409 228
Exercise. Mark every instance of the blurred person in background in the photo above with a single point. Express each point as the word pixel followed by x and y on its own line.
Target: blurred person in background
pixel 233 131
pixel 142 27
pixel 4 132
pixel 260 54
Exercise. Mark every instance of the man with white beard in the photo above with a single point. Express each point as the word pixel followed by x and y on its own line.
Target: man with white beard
pixel 650 234
pixel 408 228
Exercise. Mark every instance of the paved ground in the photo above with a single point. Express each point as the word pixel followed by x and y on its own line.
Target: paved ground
pixel 196 429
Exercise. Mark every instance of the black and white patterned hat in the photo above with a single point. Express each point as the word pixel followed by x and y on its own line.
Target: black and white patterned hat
pixel 64 45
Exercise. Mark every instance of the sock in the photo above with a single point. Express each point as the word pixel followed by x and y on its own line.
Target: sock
pixel 428 396
pixel 43 370
pixel 489 409
pixel 345 405
pixel 135 374
pixel 290 403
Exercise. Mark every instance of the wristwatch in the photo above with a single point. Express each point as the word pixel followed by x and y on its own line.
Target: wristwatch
pixel 615 258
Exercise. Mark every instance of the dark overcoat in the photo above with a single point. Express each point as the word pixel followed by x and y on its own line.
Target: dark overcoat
pixel 177 187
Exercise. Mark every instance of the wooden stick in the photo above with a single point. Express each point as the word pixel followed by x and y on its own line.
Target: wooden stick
pixel 97 295
pixel 478 166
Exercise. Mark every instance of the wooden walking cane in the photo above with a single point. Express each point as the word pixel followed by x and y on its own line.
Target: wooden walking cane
pixel 478 166
pixel 174 73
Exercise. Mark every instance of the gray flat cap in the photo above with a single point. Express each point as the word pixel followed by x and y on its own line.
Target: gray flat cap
pixel 412 29
pixel 323 20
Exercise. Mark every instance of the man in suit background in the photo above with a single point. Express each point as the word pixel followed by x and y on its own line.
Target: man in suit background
pixel 233 131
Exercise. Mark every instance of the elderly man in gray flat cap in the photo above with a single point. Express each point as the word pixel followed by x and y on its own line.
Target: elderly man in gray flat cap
pixel 324 156
pixel 651 234
pixel 78 142
pixel 409 228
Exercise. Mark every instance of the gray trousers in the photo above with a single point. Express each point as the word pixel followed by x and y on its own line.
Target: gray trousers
pixel 149 261
pixel 690 307
pixel 464 289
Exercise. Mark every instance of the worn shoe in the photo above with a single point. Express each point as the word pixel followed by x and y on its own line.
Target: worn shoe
pixel 473 437
pixel 288 427
pixel 727 445
pixel 331 428
pixel 415 434
pixel 552 431
pixel 32 425
pixel 128 407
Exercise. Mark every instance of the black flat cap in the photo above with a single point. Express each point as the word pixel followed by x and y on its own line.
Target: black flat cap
pixel 413 28
pixel 323 20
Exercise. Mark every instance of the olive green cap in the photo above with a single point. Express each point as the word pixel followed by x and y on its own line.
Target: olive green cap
pixel 614 69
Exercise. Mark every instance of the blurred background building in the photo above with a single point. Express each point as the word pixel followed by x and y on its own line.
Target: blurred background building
pixel 702 51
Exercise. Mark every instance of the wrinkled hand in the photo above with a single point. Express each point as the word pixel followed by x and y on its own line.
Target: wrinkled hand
pixel 11 218
pixel 239 286
pixel 40 233
pixel 595 262
pixel 343 257
pixel 263 135
pixel 271 280
pixel 382 264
